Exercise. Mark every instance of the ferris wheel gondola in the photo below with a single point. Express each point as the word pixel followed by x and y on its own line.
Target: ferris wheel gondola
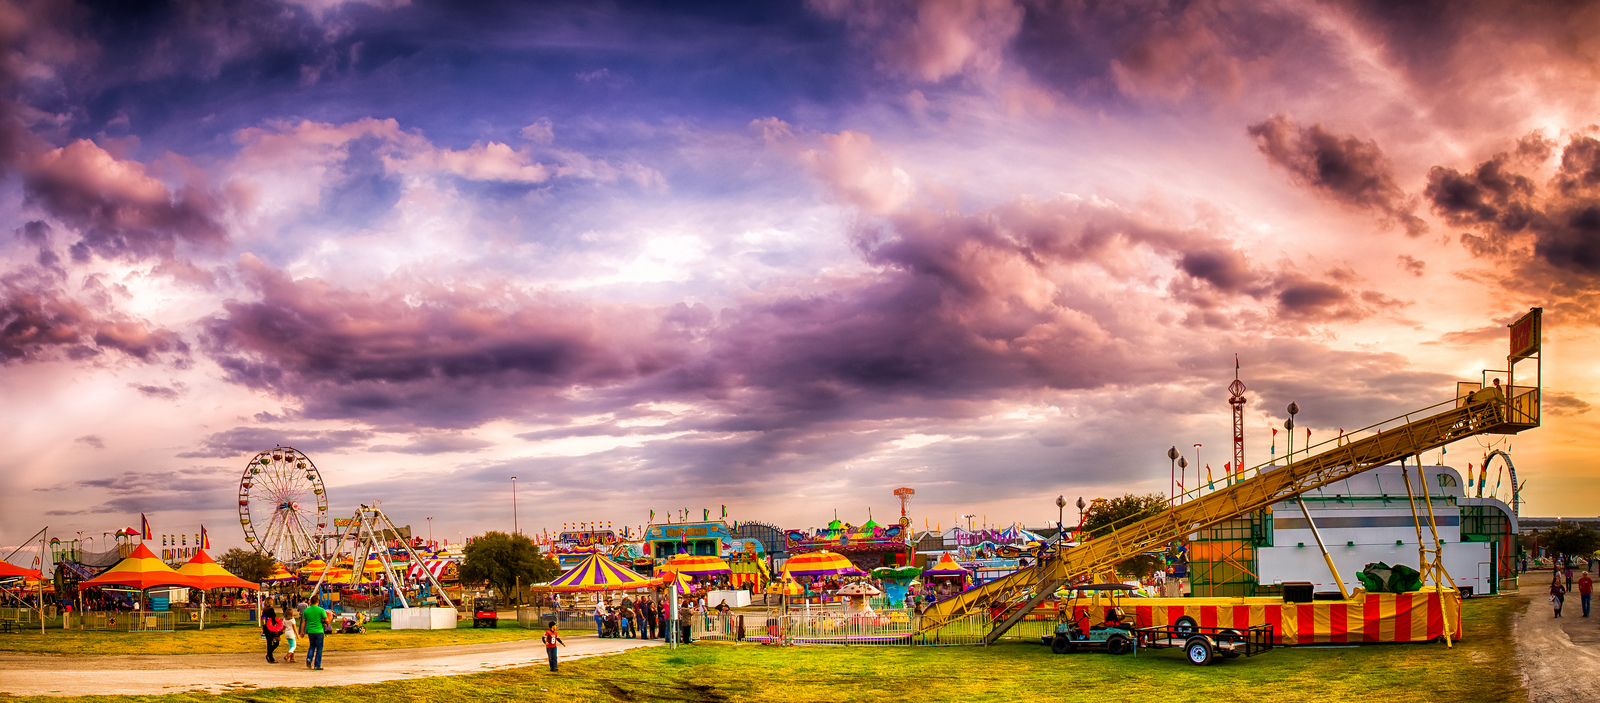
pixel 283 505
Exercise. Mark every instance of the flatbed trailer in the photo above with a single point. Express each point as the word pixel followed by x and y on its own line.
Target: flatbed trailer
pixel 1202 645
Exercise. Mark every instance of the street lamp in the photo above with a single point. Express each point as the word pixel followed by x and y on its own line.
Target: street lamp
pixel 514 528
pixel 1197 465
pixel 1183 468
pixel 1294 409
pixel 1172 478
pixel 1080 510
pixel 1061 510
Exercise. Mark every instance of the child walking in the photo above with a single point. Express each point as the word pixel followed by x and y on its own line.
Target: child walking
pixel 290 624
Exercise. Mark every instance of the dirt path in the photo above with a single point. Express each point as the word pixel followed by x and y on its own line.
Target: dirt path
pixel 65 675
pixel 1559 657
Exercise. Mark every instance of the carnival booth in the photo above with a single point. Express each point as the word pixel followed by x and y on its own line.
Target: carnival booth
pixel 945 578
pixel 705 572
pixel 142 571
pixel 206 574
pixel 818 572
pixel 597 574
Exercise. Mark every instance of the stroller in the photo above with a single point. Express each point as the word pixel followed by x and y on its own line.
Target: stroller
pixel 352 624
pixel 611 625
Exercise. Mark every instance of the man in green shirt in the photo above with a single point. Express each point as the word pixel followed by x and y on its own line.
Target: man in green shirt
pixel 316 620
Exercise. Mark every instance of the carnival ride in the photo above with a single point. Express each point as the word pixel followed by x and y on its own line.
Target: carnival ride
pixel 1478 409
pixel 282 490
pixel 366 536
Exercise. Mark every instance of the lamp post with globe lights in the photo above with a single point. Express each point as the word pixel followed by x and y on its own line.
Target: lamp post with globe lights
pixel 1172 479
pixel 1061 511
pixel 1080 510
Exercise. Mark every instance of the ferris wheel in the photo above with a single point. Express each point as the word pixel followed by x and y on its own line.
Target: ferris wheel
pixel 282 492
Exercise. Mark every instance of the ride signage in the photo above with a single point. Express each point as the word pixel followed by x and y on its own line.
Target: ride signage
pixel 1525 335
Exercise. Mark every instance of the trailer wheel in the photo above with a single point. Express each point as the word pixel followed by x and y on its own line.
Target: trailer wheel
pixel 1117 644
pixel 1062 645
pixel 1185 626
pixel 1198 650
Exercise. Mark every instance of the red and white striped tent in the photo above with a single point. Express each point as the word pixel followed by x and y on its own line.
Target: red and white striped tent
pixel 435 566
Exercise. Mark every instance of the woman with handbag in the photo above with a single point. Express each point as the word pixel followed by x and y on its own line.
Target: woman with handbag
pixel 272 628
pixel 1558 593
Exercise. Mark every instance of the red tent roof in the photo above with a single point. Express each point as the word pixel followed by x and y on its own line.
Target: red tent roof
pixel 8 569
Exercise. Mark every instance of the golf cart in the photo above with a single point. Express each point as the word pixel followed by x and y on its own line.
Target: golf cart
pixel 1114 632
pixel 484 612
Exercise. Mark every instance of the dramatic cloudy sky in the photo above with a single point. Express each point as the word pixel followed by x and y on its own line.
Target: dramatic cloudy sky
pixel 783 256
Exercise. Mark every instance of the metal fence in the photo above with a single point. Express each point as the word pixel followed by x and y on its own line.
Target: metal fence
pixel 20 617
pixel 124 621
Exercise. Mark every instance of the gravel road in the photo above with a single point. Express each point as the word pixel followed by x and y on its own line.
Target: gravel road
pixel 1559 657
pixel 77 675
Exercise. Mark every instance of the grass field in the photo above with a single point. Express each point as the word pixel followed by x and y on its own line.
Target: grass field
pixel 244 638
pixel 1481 668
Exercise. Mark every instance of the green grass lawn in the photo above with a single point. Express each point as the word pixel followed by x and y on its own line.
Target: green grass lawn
pixel 244 638
pixel 1481 668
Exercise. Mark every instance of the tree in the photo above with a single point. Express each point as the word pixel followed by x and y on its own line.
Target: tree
pixel 249 565
pixel 1104 515
pixel 501 560
pixel 1570 539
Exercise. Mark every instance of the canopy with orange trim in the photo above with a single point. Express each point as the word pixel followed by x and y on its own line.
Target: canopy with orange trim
pixel 140 570
pixel 208 574
pixel 697 566
pixel 823 563
pixel 8 570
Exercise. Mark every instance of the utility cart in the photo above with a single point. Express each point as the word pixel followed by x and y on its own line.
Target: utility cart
pixel 1202 645
pixel 485 612
pixel 1114 633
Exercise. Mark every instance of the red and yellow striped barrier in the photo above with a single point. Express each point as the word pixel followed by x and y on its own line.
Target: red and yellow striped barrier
pixel 1368 618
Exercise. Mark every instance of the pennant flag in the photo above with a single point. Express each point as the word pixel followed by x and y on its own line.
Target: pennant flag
pixel 205 539
pixel 1209 483
pixel 1235 362
pixel 1469 474
pixel 652 516
pixel 144 524
pixel 1308 437
pixel 724 512
pixel 1274 441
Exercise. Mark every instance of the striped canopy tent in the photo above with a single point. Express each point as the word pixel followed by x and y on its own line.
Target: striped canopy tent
pixel 684 585
pixel 785 586
pixel 280 575
pixel 823 563
pixel 697 566
pixel 312 569
pixel 347 578
pixel 208 574
pixel 597 572
pixel 434 566
pixel 8 570
pixel 141 570
pixel 946 566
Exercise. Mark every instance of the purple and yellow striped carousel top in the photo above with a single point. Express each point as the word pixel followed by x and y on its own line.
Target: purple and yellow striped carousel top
pixel 597 572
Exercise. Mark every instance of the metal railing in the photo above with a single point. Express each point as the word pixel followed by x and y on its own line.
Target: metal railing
pixel 124 621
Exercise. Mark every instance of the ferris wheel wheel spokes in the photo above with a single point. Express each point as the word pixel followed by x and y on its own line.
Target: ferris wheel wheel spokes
pixel 283 487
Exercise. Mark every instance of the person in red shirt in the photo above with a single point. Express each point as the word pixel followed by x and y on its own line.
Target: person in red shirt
pixel 1584 587
pixel 551 639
